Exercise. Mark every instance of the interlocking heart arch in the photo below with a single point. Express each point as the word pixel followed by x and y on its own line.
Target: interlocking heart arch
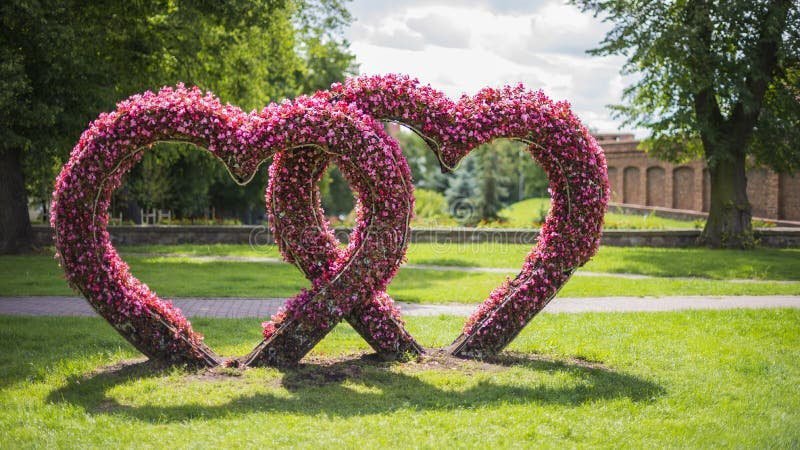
pixel 305 135
pixel 115 142
pixel 305 239
pixel 575 167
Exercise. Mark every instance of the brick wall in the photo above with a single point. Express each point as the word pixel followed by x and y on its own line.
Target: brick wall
pixel 638 179
pixel 683 188
pixel 631 186
pixel 656 187
pixel 789 198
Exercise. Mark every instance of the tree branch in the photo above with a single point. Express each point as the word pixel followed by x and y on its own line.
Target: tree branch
pixel 706 105
pixel 764 68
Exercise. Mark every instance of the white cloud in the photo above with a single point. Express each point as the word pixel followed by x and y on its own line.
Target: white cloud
pixel 462 46
pixel 398 38
pixel 439 30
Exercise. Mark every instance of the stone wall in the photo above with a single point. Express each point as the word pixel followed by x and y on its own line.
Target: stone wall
pixel 640 180
pixel 164 235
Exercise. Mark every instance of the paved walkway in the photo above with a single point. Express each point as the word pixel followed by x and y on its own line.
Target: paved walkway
pixel 263 308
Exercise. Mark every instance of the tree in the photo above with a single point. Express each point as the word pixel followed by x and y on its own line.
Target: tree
pixel 63 62
pixel 461 193
pixel 518 175
pixel 337 197
pixel 491 181
pixel 430 207
pixel 425 169
pixel 717 79
pixel 491 177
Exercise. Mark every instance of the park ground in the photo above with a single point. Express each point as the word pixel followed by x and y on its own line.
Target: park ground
pixel 667 379
pixel 434 273
pixel 443 273
pixel 678 379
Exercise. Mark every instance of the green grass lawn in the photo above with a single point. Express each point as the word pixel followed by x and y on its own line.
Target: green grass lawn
pixel 758 264
pixel 530 212
pixel 173 276
pixel 681 379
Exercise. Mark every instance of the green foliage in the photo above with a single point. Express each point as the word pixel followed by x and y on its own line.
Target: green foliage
pixel 491 177
pixel 337 197
pixel 429 204
pixel 425 169
pixel 430 209
pixel 152 185
pixel 710 76
pixel 776 138
pixel 193 177
pixel 517 174
pixel 461 193
pixel 63 62
pixel 492 183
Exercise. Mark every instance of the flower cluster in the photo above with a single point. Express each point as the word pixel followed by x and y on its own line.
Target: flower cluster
pixel 376 247
pixel 347 282
pixel 556 139
pixel 115 142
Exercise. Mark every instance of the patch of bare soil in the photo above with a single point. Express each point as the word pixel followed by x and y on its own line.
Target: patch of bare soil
pixel 323 370
pixel 108 405
pixel 124 366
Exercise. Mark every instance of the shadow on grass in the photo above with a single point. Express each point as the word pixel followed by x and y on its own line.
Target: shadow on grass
pixel 760 264
pixel 363 386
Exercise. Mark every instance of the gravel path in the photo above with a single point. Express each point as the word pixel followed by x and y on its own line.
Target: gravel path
pixel 263 308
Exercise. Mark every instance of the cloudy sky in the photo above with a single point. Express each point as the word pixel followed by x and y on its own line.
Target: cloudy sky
pixel 459 46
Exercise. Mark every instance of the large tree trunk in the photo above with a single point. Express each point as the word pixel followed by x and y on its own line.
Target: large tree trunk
pixel 16 234
pixel 729 214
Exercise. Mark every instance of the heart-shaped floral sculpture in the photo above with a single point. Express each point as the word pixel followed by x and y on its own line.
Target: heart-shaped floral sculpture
pixel 305 238
pixel 305 136
pixel 574 163
pixel 116 141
